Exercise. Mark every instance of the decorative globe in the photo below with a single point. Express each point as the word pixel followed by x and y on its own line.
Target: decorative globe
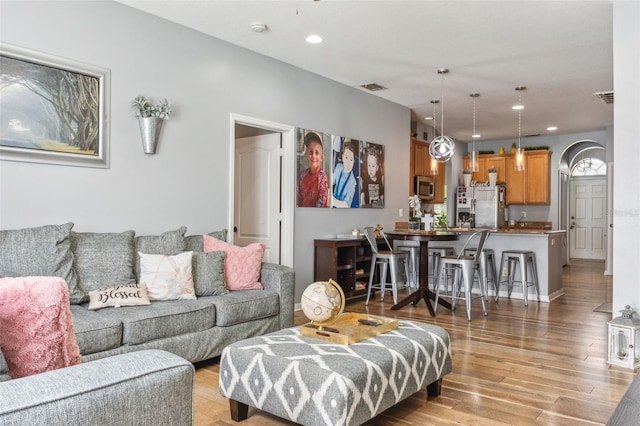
pixel 442 148
pixel 322 302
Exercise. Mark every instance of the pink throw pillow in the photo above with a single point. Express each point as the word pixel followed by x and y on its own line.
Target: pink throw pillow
pixel 241 264
pixel 36 327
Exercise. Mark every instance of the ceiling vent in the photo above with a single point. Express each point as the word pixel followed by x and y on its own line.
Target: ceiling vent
pixel 374 87
pixel 531 135
pixel 606 97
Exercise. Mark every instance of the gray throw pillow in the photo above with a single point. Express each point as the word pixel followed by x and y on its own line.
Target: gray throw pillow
pixel 103 259
pixel 194 242
pixel 208 273
pixel 42 251
pixel 169 243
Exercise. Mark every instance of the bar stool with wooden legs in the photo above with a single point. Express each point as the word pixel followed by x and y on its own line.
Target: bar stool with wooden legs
pixel 526 261
pixel 384 258
pixel 464 269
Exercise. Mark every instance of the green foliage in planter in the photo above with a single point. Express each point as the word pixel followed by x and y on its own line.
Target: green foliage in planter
pixel 486 151
pixel 441 220
pixel 145 108
pixel 536 148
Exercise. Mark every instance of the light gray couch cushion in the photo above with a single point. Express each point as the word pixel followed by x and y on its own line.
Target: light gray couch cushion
pixel 95 333
pixel 195 243
pixel 41 251
pixel 208 273
pixel 139 388
pixel 169 243
pixel 102 260
pixel 241 306
pixel 161 319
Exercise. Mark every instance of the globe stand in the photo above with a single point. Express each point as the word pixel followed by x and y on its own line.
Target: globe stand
pixel 323 303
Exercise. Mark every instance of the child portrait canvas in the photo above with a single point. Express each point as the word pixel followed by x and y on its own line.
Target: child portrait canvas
pixel 345 179
pixel 371 175
pixel 312 188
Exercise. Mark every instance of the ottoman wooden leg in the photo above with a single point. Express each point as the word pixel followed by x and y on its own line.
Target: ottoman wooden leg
pixel 434 388
pixel 239 411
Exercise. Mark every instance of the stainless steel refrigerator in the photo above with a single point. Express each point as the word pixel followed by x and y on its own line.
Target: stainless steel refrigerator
pixel 489 206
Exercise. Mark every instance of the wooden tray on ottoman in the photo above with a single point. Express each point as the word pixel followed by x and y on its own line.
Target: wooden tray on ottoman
pixel 348 329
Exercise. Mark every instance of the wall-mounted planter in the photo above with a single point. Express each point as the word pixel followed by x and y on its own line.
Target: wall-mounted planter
pixel 150 128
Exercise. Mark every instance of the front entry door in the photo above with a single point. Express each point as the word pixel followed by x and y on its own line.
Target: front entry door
pixel 587 226
pixel 257 193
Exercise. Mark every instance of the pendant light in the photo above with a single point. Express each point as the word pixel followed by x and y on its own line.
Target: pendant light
pixel 519 164
pixel 442 148
pixel 433 166
pixel 473 158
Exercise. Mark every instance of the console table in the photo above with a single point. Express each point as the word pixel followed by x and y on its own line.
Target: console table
pixel 346 260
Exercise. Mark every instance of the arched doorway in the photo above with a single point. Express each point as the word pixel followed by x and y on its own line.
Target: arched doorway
pixel 584 202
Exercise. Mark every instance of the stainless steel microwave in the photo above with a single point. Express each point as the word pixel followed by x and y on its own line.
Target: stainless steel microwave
pixel 424 187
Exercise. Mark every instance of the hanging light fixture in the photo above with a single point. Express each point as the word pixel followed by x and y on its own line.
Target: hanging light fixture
pixel 473 163
pixel 519 152
pixel 442 148
pixel 433 166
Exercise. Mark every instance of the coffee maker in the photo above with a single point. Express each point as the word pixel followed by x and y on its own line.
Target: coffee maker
pixel 465 203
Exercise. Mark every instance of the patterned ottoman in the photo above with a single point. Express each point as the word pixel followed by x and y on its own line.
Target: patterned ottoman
pixel 314 382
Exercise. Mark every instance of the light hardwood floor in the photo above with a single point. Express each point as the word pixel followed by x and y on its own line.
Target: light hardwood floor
pixel 540 365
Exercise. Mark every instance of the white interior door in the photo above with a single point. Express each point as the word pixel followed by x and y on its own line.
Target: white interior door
pixel 257 193
pixel 587 227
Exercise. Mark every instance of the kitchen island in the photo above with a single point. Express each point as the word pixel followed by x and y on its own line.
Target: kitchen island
pixel 547 246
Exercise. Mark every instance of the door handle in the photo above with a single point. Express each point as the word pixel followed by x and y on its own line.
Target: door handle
pixel 235 229
pixel 573 225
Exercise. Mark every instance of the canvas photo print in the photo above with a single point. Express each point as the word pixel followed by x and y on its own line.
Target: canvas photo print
pixel 312 189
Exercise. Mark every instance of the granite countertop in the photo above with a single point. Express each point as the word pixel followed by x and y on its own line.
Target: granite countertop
pixel 509 231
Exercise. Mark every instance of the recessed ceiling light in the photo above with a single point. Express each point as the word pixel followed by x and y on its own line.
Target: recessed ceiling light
pixel 552 128
pixel 314 39
pixel 428 118
pixel 517 107
pixel 476 136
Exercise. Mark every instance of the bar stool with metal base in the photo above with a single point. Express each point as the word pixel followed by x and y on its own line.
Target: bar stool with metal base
pixel 435 254
pixel 384 258
pixel 487 268
pixel 464 268
pixel 525 260
pixel 414 275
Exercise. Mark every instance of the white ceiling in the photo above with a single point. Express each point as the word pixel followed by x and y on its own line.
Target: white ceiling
pixel 561 50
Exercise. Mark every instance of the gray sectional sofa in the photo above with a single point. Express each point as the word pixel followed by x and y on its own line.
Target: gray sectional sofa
pixel 195 330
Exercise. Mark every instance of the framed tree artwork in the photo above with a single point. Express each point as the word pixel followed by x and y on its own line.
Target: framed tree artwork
pixel 52 110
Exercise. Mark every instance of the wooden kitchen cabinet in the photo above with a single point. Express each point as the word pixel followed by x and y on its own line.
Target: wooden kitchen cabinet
pixel 420 165
pixel 538 170
pixel 516 182
pixel 484 163
pixel 500 164
pixel 421 159
pixel 481 174
pixel 531 186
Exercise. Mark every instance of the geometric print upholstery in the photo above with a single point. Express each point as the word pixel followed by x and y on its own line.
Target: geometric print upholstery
pixel 313 382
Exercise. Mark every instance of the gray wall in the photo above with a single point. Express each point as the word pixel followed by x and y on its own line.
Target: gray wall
pixel 186 182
